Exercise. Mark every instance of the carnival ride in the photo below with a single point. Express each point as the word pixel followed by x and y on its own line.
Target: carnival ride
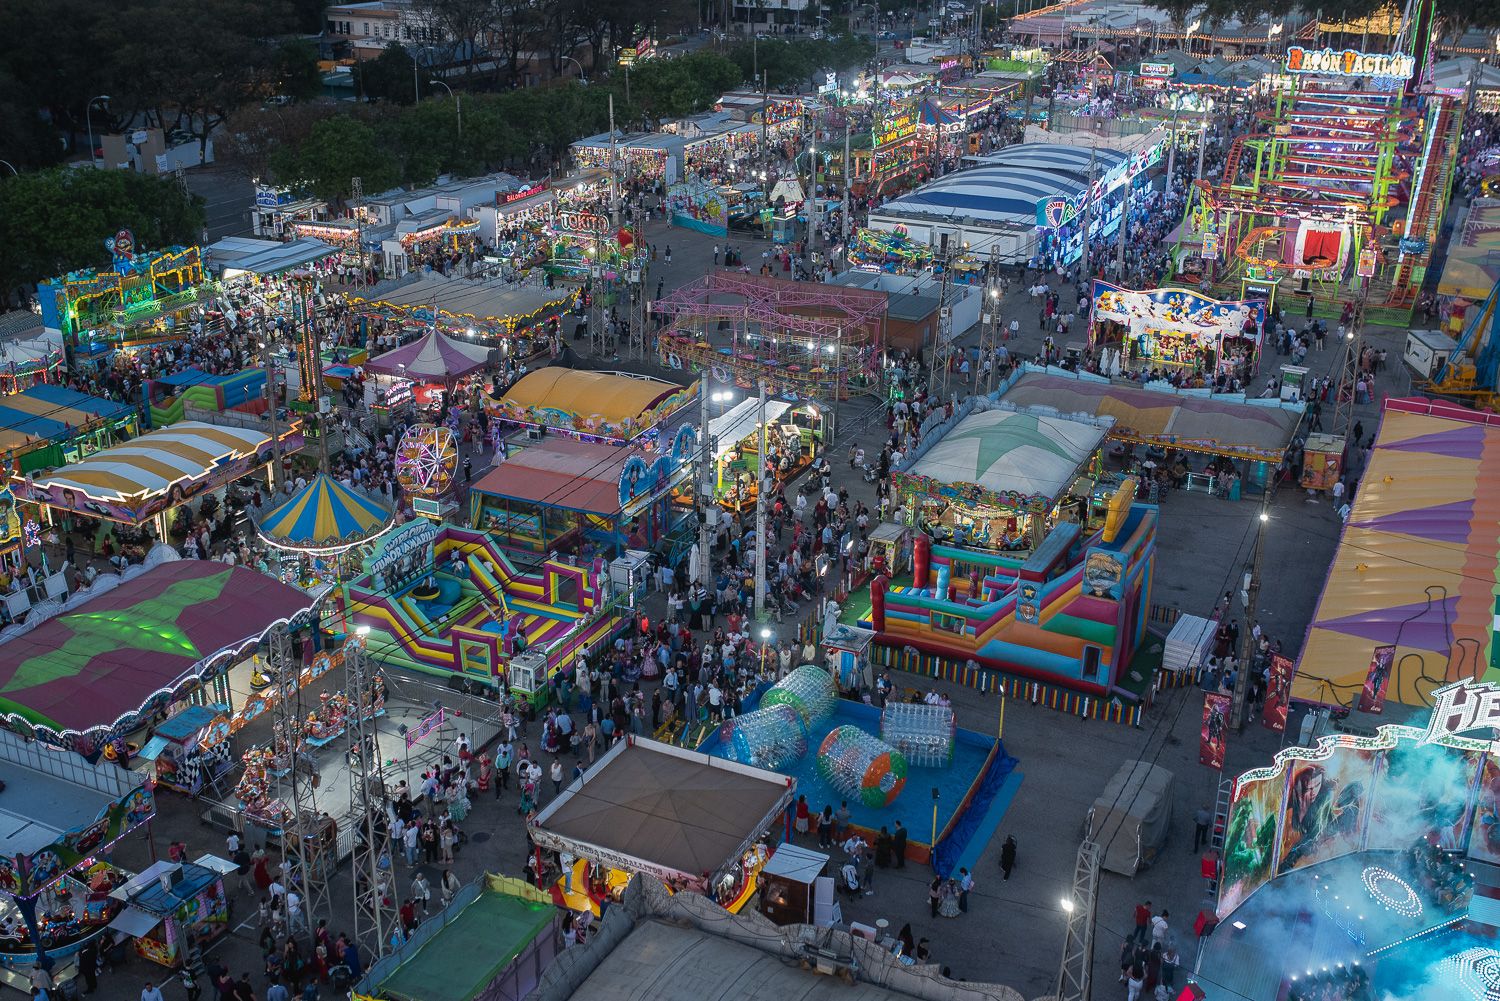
pixel 478 613
pixel 1330 183
pixel 801 340
pixel 1069 613
pixel 1470 373
pixel 426 460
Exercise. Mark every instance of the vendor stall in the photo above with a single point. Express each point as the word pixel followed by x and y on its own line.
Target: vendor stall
pixel 615 408
pixel 1172 329
pixel 695 822
pixel 191 749
pixel 172 906
pixel 999 479
pixel 736 434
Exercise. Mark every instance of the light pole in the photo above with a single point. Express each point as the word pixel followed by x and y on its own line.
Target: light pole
pixel 458 104
pixel 583 77
pixel 12 167
pixel 88 115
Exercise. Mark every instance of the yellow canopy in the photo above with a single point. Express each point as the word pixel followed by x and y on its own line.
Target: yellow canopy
pixel 612 397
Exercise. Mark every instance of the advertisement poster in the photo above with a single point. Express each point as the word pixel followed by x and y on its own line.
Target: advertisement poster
pixel 1278 694
pixel 1372 697
pixel 1327 805
pixel 1250 842
pixel 1215 731
pixel 1417 797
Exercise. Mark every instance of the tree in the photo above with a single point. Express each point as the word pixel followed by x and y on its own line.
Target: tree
pixel 335 151
pixel 296 69
pixel 253 134
pixel 56 221
pixel 387 77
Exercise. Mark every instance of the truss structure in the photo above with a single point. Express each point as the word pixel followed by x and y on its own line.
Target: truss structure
pixel 306 843
pixel 376 913
pixel 802 339
pixel 1075 972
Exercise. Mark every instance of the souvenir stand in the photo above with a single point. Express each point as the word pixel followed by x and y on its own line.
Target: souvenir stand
pixel 191 749
pixel 890 550
pixel 171 906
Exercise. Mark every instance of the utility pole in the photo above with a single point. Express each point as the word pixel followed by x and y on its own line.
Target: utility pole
pixel 357 196
pixel 942 349
pixel 1124 219
pixel 1088 213
pixel 614 170
pixel 1172 149
pixel 1076 969
pixel 814 208
pixel 765 117
pixel 1251 593
pixel 638 272
pixel 760 512
pixel 708 511
pixel 1202 144
pixel 992 326
pixel 1343 408
pixel 271 407
pixel 374 883
pixel 847 181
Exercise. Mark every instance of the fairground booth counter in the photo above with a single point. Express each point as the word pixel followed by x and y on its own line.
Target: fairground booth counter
pixel 646 156
pixel 563 495
pixel 997 478
pixel 432 234
pixel 515 319
pixel 142 481
pixel 1176 331
pixel 416 377
pixel 692 820
pixel 1187 435
pixel 190 749
pixel 62 813
pixel 172 907
pixel 586 247
pixel 517 226
pixel 141 299
pixel 792 434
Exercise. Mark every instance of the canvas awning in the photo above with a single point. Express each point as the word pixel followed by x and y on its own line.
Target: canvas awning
pixel 433 357
pixel 134 922
pixel 735 425
pixel 613 398
pixel 155 461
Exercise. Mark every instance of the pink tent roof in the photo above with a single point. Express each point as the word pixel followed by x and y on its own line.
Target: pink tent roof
pixel 434 357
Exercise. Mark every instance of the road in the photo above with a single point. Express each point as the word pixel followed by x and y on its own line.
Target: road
pixel 230 197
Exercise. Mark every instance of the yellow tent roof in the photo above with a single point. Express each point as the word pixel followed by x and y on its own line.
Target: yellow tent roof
pixel 612 397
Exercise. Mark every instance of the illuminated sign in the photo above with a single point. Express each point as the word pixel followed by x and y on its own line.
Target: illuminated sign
pixel 1365 266
pixel 1157 69
pixel 1055 212
pixel 1211 246
pixel 524 193
pixel 1461 707
pixel 1349 62
pixel 894 128
pixel 583 222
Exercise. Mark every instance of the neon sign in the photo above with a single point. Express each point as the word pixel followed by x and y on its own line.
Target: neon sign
pixel 582 222
pixel 1157 69
pixel 523 193
pixel 1350 62
pixel 1461 707
pixel 1055 212
pixel 895 128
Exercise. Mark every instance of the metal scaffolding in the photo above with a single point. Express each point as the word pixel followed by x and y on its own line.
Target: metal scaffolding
pixel 376 905
pixel 305 843
pixel 1075 972
pixel 991 328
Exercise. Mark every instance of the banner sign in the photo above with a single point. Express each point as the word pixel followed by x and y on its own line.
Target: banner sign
pixel 1211 246
pixel 416 538
pixel 1157 69
pixel 1365 266
pixel 434 720
pixel 1278 692
pixel 1215 731
pixel 1055 212
pixel 1372 696
pixel 505 198
pixel 1461 707
pixel 583 222
pixel 1350 62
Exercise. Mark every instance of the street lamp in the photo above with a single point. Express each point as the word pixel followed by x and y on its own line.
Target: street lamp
pixel 582 76
pixel 88 116
pixel 458 104
pixel 12 167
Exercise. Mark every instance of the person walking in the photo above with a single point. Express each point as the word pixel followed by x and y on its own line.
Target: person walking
pixel 1201 821
pixel 148 993
pixel 935 894
pixel 1008 855
pixel 898 845
pixel 1142 933
pixel 449 886
pixel 965 884
pixel 422 890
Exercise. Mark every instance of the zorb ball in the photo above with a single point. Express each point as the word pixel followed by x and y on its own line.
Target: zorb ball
pixel 809 690
pixel 772 737
pixel 862 766
pixel 923 733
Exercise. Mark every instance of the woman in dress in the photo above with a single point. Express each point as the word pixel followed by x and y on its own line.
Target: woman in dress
pixel 803 816
pixel 948 899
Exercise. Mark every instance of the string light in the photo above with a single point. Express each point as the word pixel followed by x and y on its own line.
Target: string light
pixel 1378 882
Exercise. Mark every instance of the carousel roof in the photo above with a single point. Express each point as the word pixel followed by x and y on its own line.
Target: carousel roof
pixel 1003 450
pixel 325 514
pixel 434 356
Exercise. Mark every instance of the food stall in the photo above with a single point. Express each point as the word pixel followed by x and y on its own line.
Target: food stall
pixel 890 550
pixel 172 904
pixel 796 884
pixel 1173 328
pixel 191 749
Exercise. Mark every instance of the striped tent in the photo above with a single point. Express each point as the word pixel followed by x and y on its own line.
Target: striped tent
pixel 155 462
pixel 323 516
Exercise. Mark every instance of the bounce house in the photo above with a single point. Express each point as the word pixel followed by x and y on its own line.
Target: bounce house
pixel 448 600
pixel 192 387
pixel 1070 613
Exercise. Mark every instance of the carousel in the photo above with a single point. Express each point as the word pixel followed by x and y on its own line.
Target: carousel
pixel 316 526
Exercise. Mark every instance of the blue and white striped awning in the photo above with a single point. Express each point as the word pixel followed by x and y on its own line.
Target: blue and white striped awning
pixel 987 194
pixel 1057 157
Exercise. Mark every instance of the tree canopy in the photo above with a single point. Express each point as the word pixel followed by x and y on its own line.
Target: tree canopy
pixel 56 221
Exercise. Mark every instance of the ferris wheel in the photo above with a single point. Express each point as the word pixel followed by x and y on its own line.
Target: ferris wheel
pixel 426 460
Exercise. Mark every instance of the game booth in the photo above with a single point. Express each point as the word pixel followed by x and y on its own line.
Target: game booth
pixel 1364 867
pixel 190 749
pixel 62 812
pixel 173 908
pixel 576 497
pixel 447 600
pixel 1174 330
pixel 694 821
pixel 1161 432
pixel 612 408
pixel 997 478
pixel 792 438
pixel 30 362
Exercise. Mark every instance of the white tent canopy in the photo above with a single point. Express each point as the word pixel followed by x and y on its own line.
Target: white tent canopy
pixel 738 423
